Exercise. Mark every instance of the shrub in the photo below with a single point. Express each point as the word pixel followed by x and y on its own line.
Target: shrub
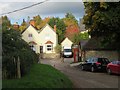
pixel 15 47
pixel 58 48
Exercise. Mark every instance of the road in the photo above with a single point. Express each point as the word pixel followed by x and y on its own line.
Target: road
pixel 84 79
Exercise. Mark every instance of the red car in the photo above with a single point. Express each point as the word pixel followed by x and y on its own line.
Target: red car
pixel 113 67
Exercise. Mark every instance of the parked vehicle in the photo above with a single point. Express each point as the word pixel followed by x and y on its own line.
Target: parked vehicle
pixel 113 67
pixel 94 64
pixel 67 52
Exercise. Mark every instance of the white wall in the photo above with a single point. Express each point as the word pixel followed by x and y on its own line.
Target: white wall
pixel 48 34
pixel 33 31
pixel 66 43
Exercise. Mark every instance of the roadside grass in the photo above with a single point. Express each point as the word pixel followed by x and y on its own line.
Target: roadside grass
pixel 40 76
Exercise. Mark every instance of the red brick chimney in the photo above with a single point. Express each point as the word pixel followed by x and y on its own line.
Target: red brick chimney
pixel 32 22
pixel 55 28
pixel 16 26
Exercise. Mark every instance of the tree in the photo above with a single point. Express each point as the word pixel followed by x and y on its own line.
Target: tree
pixel 6 24
pixel 23 25
pixel 72 17
pixel 44 22
pixel 58 48
pixel 14 47
pixel 38 20
pixel 102 19
pixel 71 31
pixel 72 27
pixel 76 39
pixel 80 36
pixel 84 36
pixel 60 26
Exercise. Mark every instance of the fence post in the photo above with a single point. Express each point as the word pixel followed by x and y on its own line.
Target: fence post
pixel 18 68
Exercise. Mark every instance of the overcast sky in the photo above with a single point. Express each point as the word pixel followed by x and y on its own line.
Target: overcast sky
pixel 49 8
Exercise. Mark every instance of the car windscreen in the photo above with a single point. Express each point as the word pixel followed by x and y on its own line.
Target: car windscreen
pixel 67 50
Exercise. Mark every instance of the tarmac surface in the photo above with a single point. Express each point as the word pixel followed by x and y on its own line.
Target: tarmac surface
pixel 84 79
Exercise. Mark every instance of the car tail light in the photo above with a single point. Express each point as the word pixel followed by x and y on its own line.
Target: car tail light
pixel 98 63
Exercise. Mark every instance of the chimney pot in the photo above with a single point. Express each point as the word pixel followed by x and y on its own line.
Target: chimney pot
pixel 32 22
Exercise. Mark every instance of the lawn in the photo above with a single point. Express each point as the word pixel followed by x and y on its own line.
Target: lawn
pixel 40 76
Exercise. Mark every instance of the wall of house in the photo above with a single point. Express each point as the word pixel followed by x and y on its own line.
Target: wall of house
pixel 66 43
pixel 47 34
pixel 31 30
pixel 111 55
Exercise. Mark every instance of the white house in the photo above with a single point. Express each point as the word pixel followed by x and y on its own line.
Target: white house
pixel 48 39
pixel 66 43
pixel 41 41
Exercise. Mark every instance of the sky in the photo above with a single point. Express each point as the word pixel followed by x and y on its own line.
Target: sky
pixel 50 8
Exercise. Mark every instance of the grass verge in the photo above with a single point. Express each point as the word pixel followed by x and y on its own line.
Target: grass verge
pixel 40 76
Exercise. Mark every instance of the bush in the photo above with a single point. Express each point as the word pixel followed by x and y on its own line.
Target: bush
pixel 15 47
pixel 58 48
pixel 27 57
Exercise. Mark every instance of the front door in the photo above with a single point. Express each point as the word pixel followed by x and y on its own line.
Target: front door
pixel 41 49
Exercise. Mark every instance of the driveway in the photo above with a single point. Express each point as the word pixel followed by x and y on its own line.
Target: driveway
pixel 84 79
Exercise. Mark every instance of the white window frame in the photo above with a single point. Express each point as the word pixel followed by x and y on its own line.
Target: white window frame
pixel 32 47
pixel 49 47
pixel 30 36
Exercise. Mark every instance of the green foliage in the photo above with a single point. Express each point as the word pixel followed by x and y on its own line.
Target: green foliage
pixel 58 48
pixel 38 20
pixel 76 39
pixel 23 25
pixel 71 17
pixel 72 27
pixel 102 19
pixel 84 36
pixel 80 36
pixel 60 26
pixel 5 23
pixel 40 76
pixel 14 47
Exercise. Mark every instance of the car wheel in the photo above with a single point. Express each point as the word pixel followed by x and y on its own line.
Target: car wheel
pixel 82 67
pixel 92 69
pixel 109 71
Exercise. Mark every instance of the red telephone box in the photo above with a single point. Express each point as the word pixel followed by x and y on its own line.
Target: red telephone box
pixel 76 54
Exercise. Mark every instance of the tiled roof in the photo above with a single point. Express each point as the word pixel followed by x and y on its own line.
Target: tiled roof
pixel 32 42
pixel 49 42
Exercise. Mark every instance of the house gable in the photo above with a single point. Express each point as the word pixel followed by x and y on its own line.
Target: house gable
pixel 47 25
pixel 30 30
pixel 30 26
pixel 48 33
pixel 67 42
